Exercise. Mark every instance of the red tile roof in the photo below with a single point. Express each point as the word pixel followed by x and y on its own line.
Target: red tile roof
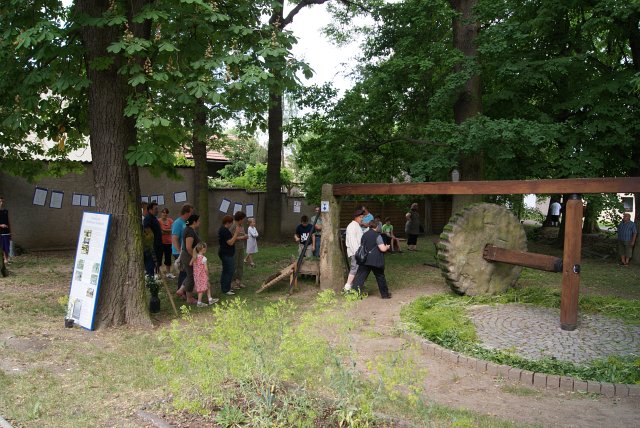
pixel 212 155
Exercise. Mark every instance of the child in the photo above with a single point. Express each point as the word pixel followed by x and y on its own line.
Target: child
pixel 389 237
pixel 201 274
pixel 252 243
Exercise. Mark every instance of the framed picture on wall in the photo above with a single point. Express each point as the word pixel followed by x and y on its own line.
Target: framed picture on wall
pixel 56 199
pixel 76 199
pixel 180 197
pixel 236 207
pixel 224 205
pixel 40 196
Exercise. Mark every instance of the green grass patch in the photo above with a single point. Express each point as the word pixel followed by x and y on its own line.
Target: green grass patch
pixel 442 319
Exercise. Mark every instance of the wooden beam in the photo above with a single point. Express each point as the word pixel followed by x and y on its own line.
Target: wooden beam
pixel 501 187
pixel 522 258
pixel 571 264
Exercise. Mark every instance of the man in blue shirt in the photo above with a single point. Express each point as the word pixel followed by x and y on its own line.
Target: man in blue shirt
pixel 177 231
pixel 627 233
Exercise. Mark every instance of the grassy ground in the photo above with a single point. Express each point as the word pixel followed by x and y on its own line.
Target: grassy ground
pixel 57 377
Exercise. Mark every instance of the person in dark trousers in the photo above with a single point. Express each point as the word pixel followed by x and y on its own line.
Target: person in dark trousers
pixel 227 252
pixel 5 231
pixel 375 247
pixel 152 256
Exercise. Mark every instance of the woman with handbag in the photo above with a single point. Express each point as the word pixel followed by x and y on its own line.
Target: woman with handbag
pixel 373 255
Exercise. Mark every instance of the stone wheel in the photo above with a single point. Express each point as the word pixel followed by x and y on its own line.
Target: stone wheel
pixel 462 243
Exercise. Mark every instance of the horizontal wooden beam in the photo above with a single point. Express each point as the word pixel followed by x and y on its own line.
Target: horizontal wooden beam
pixel 522 258
pixel 500 187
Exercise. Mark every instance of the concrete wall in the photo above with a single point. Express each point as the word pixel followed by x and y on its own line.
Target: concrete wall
pixel 41 227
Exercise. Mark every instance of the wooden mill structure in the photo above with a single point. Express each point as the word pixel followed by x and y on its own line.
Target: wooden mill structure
pixel 332 266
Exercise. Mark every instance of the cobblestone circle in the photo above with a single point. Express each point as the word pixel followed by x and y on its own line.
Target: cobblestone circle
pixel 534 332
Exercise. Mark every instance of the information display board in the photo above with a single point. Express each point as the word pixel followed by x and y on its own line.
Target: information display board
pixel 87 271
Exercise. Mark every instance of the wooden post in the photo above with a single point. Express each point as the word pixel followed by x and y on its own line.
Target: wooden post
pixel 332 267
pixel 571 264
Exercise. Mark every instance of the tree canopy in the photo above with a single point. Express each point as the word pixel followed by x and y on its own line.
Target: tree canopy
pixel 558 94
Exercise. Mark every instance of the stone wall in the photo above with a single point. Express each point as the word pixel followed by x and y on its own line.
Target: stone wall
pixel 44 228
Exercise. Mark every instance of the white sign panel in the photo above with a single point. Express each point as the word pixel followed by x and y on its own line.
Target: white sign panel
pixel 324 206
pixel 87 271
pixel 180 197
pixel 297 205
pixel 56 199
pixel 40 196
pixel 237 207
pixel 249 209
pixel 224 205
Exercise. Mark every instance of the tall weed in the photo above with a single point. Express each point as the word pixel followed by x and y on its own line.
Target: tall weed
pixel 281 367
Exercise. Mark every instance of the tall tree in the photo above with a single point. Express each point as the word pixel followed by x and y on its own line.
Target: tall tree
pixel 469 102
pixel 103 53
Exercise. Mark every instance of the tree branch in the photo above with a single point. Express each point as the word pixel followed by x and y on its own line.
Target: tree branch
pixel 304 3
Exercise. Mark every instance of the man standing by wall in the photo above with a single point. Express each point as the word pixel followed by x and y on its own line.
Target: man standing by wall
pixel 5 231
pixel 627 234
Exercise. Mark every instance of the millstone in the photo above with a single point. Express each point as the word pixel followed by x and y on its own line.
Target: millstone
pixel 463 240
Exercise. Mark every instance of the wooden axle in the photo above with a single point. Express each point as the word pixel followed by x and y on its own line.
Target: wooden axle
pixel 522 258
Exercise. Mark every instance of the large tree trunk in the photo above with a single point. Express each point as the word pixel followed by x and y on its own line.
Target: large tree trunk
pixel 469 103
pixel 273 201
pixel 201 185
pixel 121 299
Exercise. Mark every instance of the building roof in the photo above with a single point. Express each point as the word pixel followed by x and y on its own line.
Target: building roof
pixel 212 156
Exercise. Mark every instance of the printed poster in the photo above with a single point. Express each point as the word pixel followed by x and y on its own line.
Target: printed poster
pixel 236 207
pixel 87 270
pixel 40 196
pixel 56 199
pixel 249 209
pixel 297 206
pixel 180 197
pixel 224 205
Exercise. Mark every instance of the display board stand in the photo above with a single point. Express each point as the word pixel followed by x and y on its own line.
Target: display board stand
pixel 87 269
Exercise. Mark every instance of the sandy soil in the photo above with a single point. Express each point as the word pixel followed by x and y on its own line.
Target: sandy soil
pixel 458 387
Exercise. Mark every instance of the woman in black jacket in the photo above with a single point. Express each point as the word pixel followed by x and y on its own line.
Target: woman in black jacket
pixel 375 247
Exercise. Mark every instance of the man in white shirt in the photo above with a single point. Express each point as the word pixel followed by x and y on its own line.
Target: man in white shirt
pixel 352 239
pixel 555 213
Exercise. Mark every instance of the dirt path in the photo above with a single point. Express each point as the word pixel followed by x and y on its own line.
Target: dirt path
pixel 458 387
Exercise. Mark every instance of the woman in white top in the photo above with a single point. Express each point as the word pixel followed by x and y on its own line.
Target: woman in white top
pixel 252 242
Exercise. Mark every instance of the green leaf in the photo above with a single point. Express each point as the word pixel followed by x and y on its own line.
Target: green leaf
pixel 167 47
pixel 138 79
pixel 116 47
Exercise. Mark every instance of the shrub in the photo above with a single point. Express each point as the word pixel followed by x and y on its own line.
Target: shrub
pixel 279 368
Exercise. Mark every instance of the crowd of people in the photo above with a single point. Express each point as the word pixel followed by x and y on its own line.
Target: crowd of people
pixel 164 238
pixel 168 242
